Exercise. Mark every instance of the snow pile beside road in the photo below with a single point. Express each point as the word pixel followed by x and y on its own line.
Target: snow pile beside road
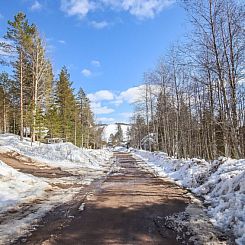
pixel 17 187
pixel 65 155
pixel 220 182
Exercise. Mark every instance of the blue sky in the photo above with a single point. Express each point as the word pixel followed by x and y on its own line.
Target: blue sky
pixel 107 45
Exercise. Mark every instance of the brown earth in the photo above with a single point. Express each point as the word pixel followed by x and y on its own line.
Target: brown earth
pixel 120 209
pixel 26 165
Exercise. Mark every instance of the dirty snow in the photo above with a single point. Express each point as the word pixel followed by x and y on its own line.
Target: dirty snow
pixel 17 187
pixel 23 221
pixel 221 183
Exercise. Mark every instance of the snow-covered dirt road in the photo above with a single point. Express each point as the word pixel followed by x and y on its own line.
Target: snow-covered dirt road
pixel 129 206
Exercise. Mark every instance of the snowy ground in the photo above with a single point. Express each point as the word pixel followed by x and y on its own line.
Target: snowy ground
pixel 221 183
pixel 63 155
pixel 17 187
pixel 24 198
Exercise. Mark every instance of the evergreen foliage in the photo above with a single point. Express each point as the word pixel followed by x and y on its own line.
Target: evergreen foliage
pixel 33 103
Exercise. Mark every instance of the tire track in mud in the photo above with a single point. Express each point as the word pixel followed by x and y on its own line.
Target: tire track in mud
pixel 118 209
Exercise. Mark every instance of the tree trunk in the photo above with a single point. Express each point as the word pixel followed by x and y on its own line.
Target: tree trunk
pixel 21 96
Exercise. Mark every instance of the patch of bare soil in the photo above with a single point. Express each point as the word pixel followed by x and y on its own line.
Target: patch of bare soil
pixel 27 165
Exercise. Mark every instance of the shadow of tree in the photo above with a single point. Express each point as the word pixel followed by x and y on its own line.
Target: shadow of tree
pixel 123 225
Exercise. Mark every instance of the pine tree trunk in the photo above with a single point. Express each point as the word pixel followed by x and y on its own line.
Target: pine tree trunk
pixel 34 113
pixel 21 96
pixel 75 132
pixel 4 114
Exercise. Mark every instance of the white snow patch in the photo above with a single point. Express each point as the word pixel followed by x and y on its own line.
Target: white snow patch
pixel 82 207
pixel 22 224
pixel 64 155
pixel 17 187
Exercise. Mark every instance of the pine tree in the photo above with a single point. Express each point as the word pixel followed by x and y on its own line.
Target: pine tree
pixel 19 32
pixel 88 133
pixel 66 105
pixel 53 121
pixel 34 103
pixel 119 134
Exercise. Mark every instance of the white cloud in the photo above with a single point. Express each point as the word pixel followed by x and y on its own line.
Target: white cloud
pixel 98 109
pixel 62 41
pixel 105 101
pixel 131 95
pixel 1 16
pixel 145 9
pixel 142 9
pixel 78 8
pixel 101 95
pixel 86 72
pixel 99 24
pixel 36 6
pixel 96 99
pixel 136 94
pixel 96 63
pixel 117 102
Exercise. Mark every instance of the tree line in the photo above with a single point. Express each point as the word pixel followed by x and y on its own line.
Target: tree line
pixel 193 102
pixel 32 102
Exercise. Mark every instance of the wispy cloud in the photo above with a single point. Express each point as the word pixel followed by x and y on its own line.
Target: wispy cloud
pixel 36 6
pixel 1 16
pixel 99 24
pixel 86 72
pixel 62 41
pixel 96 63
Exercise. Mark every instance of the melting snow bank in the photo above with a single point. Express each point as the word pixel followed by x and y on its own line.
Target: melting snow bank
pixel 17 188
pixel 64 155
pixel 192 227
pixel 221 183
pixel 18 191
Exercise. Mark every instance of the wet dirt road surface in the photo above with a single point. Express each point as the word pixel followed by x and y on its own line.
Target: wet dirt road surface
pixel 121 209
pixel 26 165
